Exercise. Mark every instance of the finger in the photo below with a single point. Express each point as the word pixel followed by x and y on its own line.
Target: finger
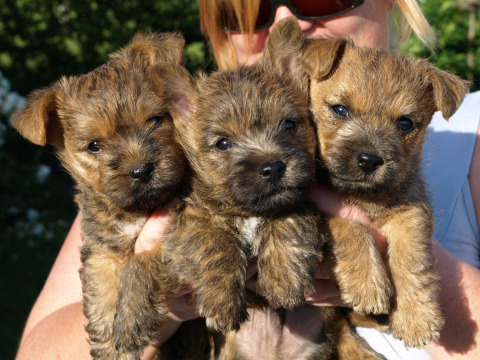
pixel 324 271
pixel 154 228
pixel 333 204
pixel 252 269
pixel 326 295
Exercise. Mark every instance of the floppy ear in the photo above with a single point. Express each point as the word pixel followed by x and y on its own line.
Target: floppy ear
pixel 155 48
pixel 176 86
pixel 283 50
pixel 321 56
pixel 38 119
pixel 448 90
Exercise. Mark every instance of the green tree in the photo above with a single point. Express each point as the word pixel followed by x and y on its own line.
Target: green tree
pixel 456 23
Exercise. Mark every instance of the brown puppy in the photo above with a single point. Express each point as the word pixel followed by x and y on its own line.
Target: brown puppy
pixel 371 109
pixel 115 137
pixel 250 142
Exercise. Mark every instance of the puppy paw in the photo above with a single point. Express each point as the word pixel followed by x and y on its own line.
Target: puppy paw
pixel 417 326
pixel 367 301
pixel 224 323
pixel 287 293
pixel 133 330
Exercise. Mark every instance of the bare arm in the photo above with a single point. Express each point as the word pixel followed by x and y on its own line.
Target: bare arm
pixel 460 290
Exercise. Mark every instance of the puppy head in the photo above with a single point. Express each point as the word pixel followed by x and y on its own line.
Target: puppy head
pixel 112 132
pixel 248 135
pixel 372 109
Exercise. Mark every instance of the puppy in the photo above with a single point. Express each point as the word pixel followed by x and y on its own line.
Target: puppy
pixel 114 135
pixel 371 109
pixel 249 140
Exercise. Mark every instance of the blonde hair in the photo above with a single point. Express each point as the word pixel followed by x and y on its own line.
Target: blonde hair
pixel 411 19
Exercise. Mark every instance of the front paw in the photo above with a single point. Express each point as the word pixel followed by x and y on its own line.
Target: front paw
pixel 227 322
pixel 287 291
pixel 417 324
pixel 224 310
pixel 135 329
pixel 366 298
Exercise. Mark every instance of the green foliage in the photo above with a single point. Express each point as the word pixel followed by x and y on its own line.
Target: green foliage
pixel 43 40
pixel 450 22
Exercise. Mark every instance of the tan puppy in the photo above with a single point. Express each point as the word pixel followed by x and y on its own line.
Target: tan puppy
pixel 114 135
pixel 371 109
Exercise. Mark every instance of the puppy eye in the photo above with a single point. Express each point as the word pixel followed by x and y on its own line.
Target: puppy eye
pixel 223 144
pixel 405 125
pixel 157 120
pixel 289 125
pixel 95 147
pixel 340 110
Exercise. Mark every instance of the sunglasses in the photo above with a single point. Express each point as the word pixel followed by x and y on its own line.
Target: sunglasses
pixel 302 9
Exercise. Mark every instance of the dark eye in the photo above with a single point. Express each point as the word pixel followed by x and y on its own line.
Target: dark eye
pixel 223 144
pixel 157 120
pixel 340 110
pixel 405 125
pixel 95 147
pixel 289 125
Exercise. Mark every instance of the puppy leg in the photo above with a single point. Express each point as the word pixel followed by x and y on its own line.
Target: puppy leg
pixel 145 286
pixel 416 317
pixel 287 257
pixel 210 255
pixel 359 270
pixel 100 277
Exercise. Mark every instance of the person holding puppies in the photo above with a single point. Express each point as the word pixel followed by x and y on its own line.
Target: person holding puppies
pixel 55 327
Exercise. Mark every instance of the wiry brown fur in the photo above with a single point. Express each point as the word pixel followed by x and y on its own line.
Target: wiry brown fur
pixel 135 165
pixel 365 156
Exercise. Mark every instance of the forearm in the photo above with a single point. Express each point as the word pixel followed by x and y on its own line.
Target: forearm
pixel 460 302
pixel 62 335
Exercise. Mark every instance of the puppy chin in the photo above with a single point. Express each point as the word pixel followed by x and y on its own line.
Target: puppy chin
pixel 143 200
pixel 365 187
pixel 274 203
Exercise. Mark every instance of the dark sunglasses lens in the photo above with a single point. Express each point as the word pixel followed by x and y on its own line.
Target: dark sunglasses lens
pixel 264 13
pixel 318 8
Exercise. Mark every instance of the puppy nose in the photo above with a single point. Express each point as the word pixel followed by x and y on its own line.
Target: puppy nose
pixel 369 162
pixel 143 174
pixel 273 171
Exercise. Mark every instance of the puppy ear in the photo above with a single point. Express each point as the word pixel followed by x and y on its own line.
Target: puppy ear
pixel 155 48
pixel 38 119
pixel 321 56
pixel 448 90
pixel 176 86
pixel 283 50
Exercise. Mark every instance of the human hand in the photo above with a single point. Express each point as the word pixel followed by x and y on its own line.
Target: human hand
pixel 332 204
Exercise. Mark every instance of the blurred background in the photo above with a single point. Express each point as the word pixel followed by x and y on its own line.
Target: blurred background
pixel 42 40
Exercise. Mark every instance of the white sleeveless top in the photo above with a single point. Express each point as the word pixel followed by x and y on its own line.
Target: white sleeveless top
pixel 447 155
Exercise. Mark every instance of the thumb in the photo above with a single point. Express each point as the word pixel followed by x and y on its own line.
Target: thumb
pixel 154 229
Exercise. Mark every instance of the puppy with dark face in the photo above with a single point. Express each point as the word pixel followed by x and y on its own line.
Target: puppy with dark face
pixel 114 135
pixel 251 145
pixel 372 109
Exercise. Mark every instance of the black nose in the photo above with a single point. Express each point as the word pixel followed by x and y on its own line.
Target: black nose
pixel 143 174
pixel 273 171
pixel 369 162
